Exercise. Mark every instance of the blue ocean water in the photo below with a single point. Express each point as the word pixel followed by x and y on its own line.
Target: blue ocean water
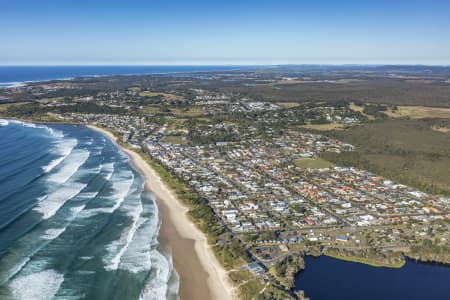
pixel 10 75
pixel 327 278
pixel 75 220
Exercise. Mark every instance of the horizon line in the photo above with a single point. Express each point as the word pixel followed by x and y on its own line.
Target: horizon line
pixel 226 65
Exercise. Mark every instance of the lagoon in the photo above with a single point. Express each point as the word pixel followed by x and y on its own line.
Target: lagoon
pixel 327 278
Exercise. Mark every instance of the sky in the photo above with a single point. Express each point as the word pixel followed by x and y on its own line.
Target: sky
pixel 228 32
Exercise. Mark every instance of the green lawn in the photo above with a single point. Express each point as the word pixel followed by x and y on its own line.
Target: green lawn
pixel 250 290
pixel 367 261
pixel 240 276
pixel 313 163
pixel 151 109
pixel 191 112
pixel 174 139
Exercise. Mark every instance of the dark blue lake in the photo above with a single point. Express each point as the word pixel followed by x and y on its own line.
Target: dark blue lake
pixel 327 278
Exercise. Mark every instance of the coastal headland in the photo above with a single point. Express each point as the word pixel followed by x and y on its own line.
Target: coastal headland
pixel 201 275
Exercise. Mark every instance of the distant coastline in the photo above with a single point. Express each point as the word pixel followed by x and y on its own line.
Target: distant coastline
pixel 16 76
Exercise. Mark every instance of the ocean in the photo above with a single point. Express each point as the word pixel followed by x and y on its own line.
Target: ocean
pixel 75 220
pixel 15 75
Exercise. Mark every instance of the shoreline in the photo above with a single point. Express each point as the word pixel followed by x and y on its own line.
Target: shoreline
pixel 230 68
pixel 366 262
pixel 190 250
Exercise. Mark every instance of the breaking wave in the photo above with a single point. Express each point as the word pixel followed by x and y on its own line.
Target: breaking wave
pixel 63 149
pixel 89 223
pixel 156 289
pixel 56 200
pixel 40 285
pixel 70 166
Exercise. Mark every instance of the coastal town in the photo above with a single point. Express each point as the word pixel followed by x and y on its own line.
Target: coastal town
pixel 260 168
pixel 225 150
pixel 280 184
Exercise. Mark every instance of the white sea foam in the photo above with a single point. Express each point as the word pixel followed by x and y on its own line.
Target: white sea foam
pixel 7 273
pixel 108 176
pixel 88 213
pixel 16 261
pixel 53 233
pixel 37 286
pixel 4 122
pixel 53 164
pixel 42 198
pixel 121 188
pixel 88 195
pixel 173 284
pixel 86 272
pixel 159 285
pixel 63 149
pixel 88 171
pixel 95 170
pixel 76 209
pixel 119 247
pixel 109 168
pixel 125 254
pixel 137 258
pixel 56 133
pixel 156 288
pixel 26 124
pixel 22 123
pixel 56 199
pixel 86 257
pixel 70 166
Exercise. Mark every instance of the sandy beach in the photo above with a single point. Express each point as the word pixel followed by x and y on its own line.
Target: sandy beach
pixel 201 275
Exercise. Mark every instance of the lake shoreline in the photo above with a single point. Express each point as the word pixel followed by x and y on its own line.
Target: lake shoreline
pixel 353 281
pixel 366 262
